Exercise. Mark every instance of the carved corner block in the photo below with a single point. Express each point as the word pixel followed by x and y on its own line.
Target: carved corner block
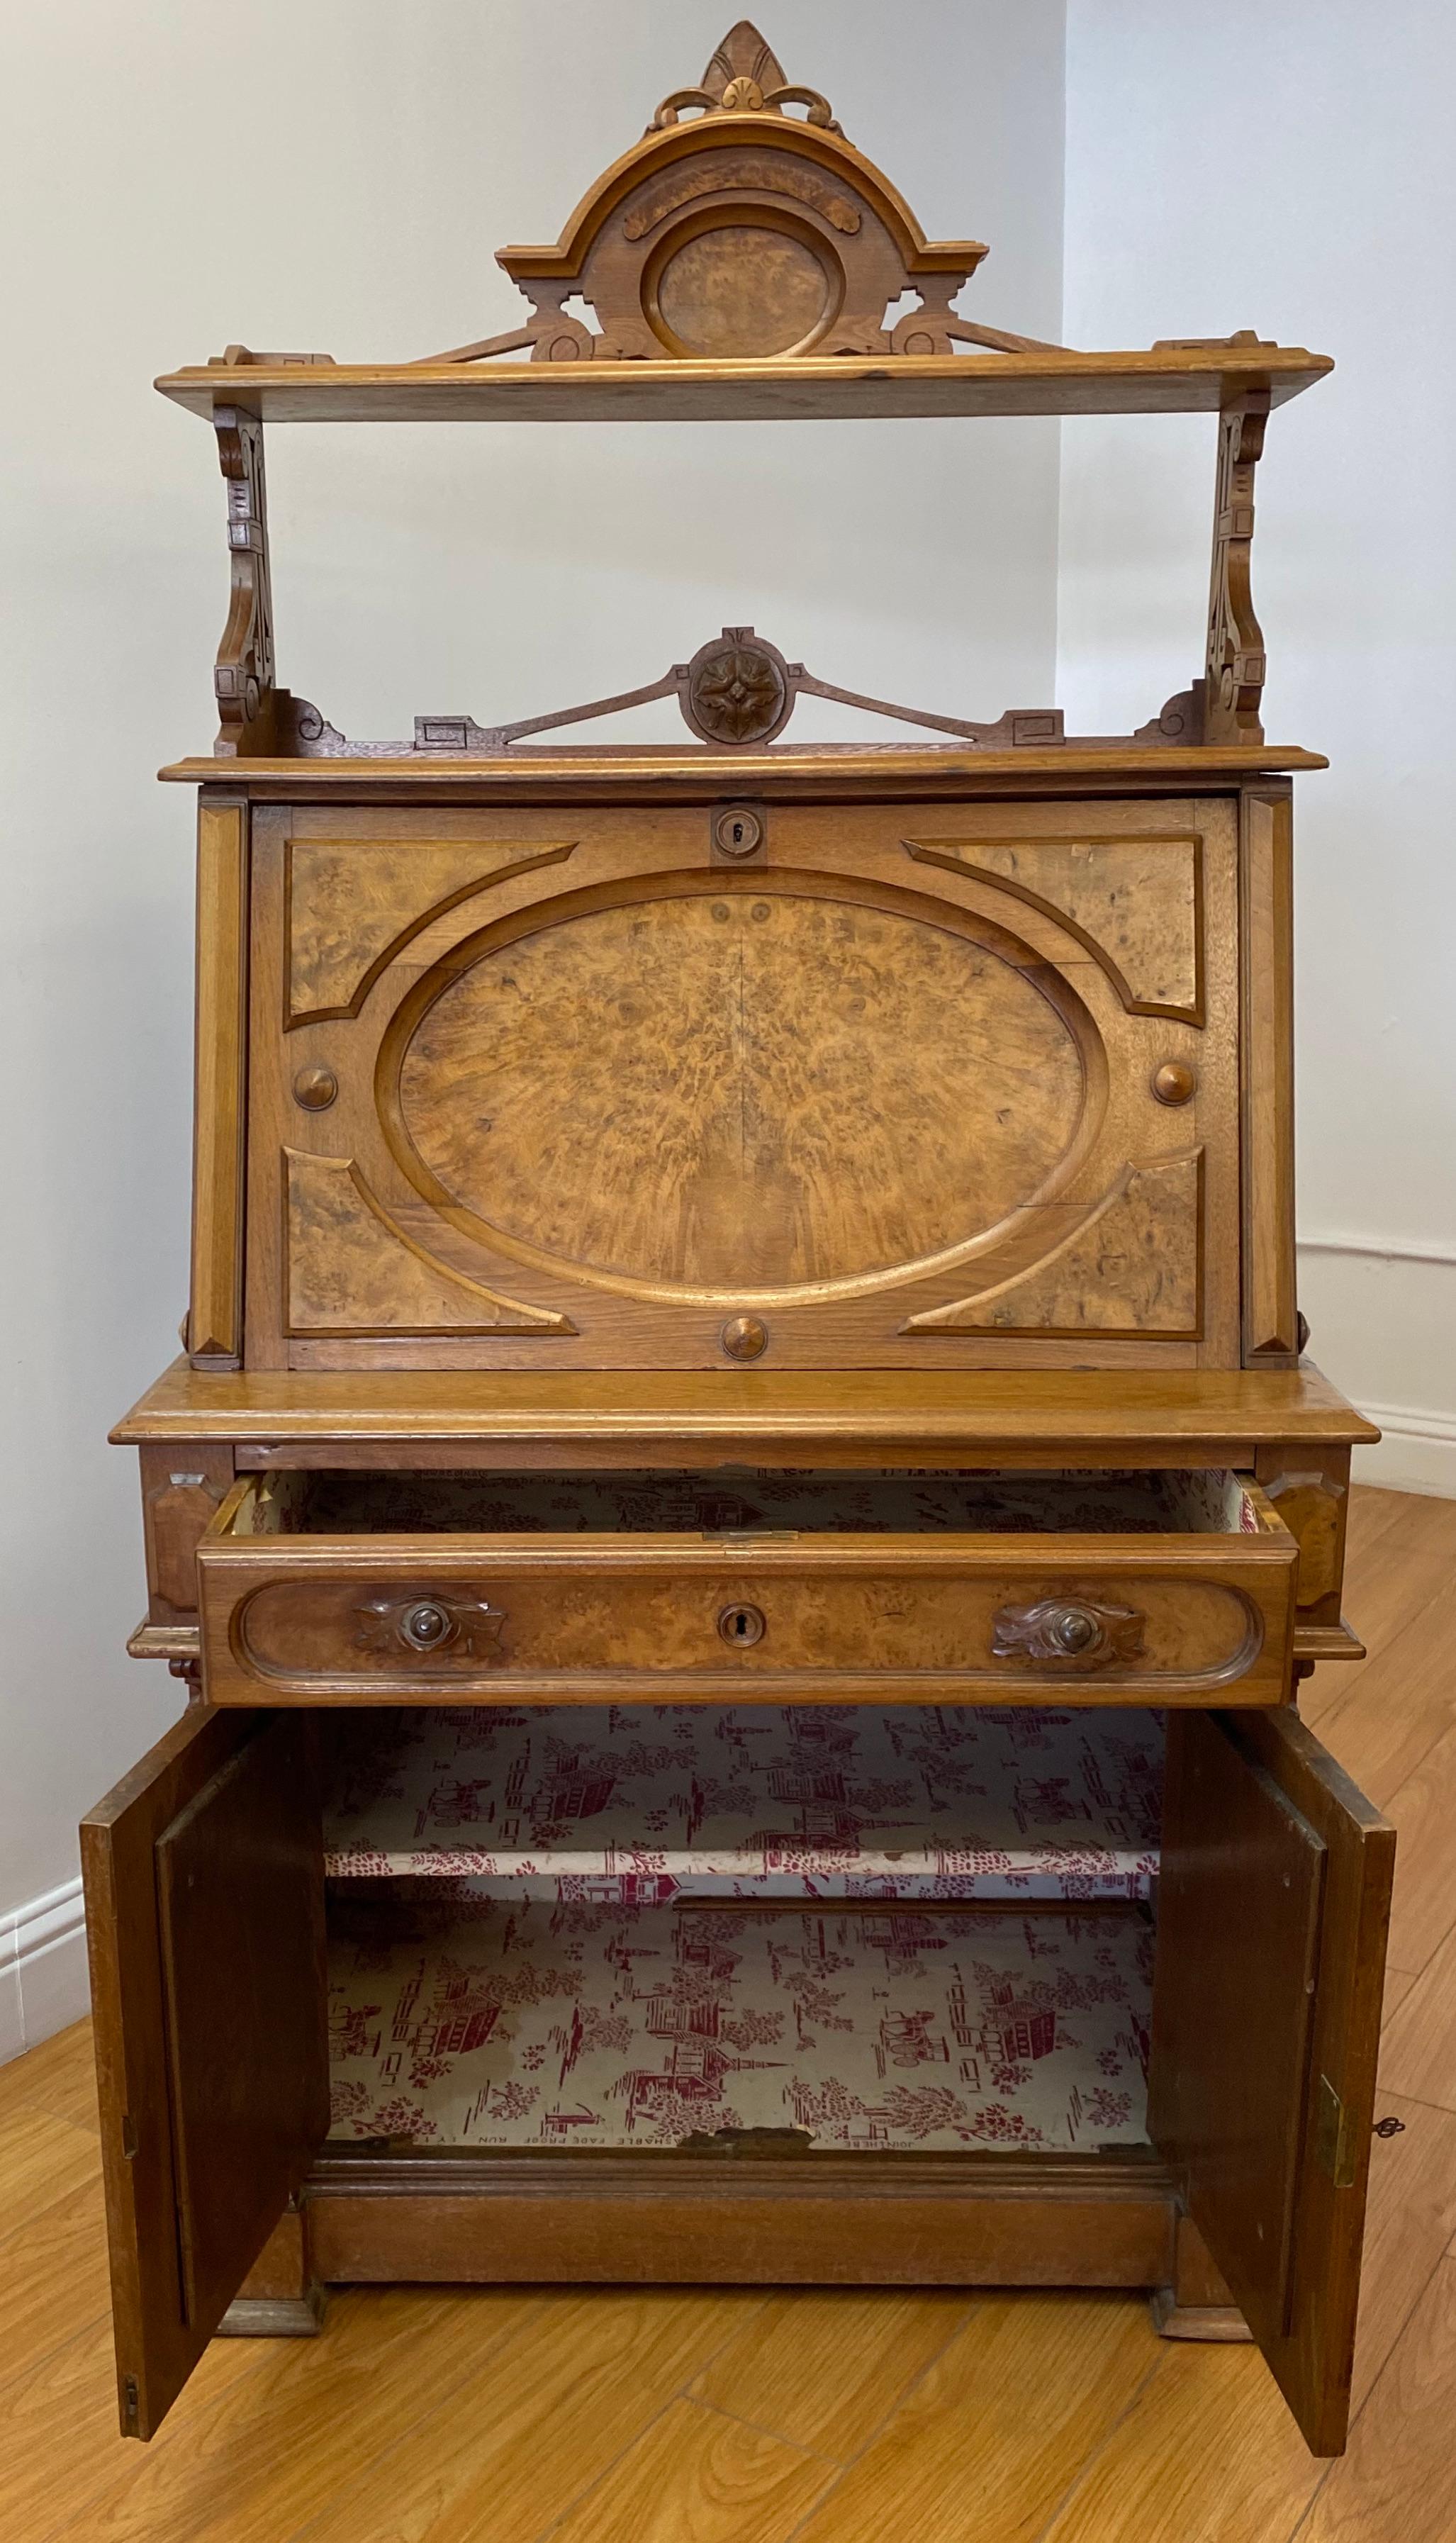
pixel 182 1485
pixel 1312 1498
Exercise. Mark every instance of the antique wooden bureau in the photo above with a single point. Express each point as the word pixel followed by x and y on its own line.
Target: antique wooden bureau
pixel 742 1514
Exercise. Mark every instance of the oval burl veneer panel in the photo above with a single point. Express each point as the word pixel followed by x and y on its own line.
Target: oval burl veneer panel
pixel 739 288
pixel 768 1090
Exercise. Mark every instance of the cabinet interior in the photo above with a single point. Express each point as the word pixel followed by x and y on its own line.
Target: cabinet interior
pixel 827 1927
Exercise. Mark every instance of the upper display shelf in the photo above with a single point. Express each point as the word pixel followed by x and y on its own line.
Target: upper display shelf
pixel 1169 381
pixel 744 264
pixel 744 260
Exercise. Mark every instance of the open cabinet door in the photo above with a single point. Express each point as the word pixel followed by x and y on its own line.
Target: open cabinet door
pixel 1272 1908
pixel 204 1908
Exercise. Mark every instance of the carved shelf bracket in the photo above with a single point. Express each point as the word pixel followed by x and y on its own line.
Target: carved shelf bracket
pixel 1236 660
pixel 243 678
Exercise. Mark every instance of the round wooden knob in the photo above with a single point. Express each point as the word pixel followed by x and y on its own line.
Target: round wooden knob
pixel 315 1089
pixel 1175 1081
pixel 746 1337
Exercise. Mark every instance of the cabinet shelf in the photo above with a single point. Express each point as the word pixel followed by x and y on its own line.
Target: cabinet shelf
pixel 1167 380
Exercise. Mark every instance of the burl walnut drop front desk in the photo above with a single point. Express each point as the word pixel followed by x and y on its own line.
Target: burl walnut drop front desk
pixel 744 1514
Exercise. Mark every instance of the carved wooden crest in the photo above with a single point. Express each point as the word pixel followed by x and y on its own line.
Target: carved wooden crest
pixel 738 231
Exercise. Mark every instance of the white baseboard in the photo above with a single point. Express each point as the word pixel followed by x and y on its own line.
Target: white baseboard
pixel 43 1983
pixel 1417 1451
pixel 1383 1329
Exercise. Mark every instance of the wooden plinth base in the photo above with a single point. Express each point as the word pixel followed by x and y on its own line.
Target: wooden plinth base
pixel 746 2218
pixel 1173 2321
pixel 274 2317
pixel 754 2214
pixel 282 2297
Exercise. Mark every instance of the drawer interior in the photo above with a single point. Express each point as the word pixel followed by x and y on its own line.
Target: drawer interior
pixel 920 1929
pixel 732 1500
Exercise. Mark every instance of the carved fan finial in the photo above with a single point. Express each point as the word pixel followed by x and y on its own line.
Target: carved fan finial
pixel 742 70
pixel 745 77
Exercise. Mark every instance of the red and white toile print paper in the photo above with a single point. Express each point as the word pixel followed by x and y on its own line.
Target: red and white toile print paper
pixel 492 2025
pixel 630 1804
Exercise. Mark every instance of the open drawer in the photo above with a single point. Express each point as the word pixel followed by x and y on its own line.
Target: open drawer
pixel 745 1586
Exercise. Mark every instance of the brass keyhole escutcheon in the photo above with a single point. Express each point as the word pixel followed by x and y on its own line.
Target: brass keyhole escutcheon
pixel 746 1337
pixel 1176 1082
pixel 742 1627
pixel 736 832
pixel 315 1089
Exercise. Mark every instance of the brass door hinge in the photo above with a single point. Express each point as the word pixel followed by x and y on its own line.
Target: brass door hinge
pixel 1335 2138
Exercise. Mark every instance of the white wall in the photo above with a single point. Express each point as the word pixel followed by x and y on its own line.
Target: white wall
pixel 1290 169
pixel 323 176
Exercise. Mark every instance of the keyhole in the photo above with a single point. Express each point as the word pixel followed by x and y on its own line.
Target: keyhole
pixel 741 1626
pixel 737 833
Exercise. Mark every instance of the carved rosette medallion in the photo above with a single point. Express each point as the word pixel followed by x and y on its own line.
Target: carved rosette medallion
pixel 736 691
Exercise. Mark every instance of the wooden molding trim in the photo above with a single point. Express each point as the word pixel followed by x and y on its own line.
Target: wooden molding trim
pixel 215 1315
pixel 1266 1068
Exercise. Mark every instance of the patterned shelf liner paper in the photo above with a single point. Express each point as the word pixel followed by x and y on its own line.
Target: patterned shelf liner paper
pixel 628 1805
pixel 469 2021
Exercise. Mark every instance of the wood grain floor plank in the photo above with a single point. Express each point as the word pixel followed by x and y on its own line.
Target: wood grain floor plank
pixel 696 2476
pixel 1208 2456
pixel 1397 2482
pixel 58 2439
pixel 58 2076
pixel 1423 1809
pixel 989 2441
pixel 53 2276
pixel 1398 1562
pixel 42 2159
pixel 522 2438
pixel 1410 2223
pixel 1400 1704
pixel 1398 1985
pixel 1418 2053
pixel 822 2369
pixel 253 2461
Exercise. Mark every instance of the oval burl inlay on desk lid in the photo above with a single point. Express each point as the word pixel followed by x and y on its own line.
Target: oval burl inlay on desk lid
pixel 726 1090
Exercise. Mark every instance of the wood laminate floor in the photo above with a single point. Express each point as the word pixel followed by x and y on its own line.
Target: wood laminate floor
pixel 676 2415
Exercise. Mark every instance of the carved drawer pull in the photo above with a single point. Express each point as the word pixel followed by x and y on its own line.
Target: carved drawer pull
pixel 1071 1633
pixel 466 1628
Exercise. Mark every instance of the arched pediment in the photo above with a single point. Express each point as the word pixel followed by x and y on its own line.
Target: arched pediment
pixel 741 227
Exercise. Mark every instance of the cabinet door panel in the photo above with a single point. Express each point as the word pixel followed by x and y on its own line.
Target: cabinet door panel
pixel 203 1875
pixel 1274 1904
